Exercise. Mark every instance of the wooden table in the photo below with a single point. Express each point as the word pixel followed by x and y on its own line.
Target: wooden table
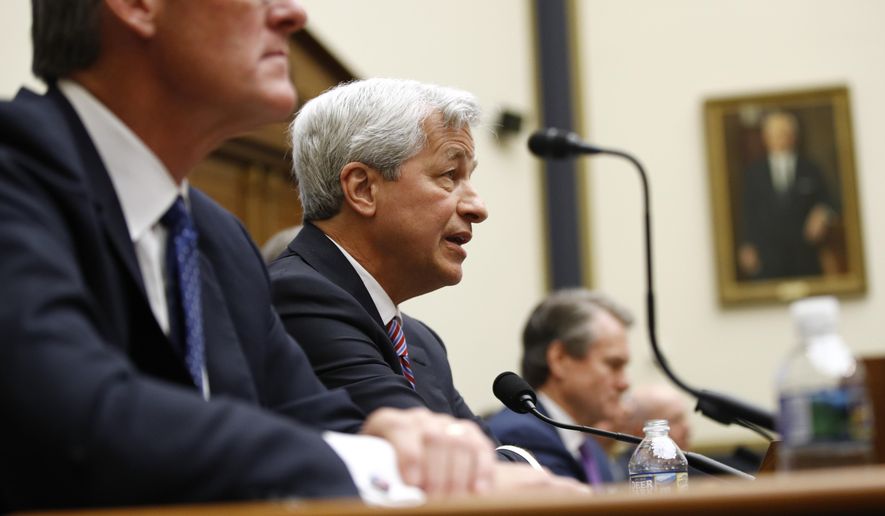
pixel 844 491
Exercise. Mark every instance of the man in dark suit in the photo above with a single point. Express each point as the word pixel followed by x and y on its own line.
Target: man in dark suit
pixel 786 209
pixel 384 170
pixel 574 354
pixel 141 360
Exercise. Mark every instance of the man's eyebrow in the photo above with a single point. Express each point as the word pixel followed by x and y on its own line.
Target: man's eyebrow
pixel 453 154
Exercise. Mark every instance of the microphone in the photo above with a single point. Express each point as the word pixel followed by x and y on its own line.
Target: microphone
pixel 514 392
pixel 557 143
pixel 517 395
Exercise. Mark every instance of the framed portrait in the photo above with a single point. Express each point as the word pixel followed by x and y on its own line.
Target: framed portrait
pixel 784 195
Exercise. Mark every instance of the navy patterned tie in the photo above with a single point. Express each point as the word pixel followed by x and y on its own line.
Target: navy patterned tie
pixel 183 274
pixel 398 338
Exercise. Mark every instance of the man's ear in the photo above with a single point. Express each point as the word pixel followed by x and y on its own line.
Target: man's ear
pixel 138 15
pixel 556 359
pixel 359 183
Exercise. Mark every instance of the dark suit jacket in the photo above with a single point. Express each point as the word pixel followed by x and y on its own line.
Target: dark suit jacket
pixel 774 224
pixel 536 436
pixel 97 408
pixel 325 306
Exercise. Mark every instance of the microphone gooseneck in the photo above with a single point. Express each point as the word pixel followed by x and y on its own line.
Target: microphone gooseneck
pixel 557 143
pixel 516 394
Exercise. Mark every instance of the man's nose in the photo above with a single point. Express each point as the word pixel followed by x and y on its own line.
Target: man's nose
pixel 287 16
pixel 472 206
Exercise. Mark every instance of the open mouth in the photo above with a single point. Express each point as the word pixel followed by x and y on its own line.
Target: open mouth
pixel 459 239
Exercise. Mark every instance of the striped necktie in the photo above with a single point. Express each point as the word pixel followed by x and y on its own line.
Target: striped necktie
pixel 398 338
pixel 183 275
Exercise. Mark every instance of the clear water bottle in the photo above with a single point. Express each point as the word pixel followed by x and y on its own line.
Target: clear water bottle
pixel 824 418
pixel 657 465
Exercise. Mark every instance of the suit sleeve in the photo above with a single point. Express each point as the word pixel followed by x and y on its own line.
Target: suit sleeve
pixel 81 425
pixel 521 430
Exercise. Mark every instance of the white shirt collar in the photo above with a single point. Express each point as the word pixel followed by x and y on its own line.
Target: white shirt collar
pixel 386 309
pixel 144 186
pixel 572 439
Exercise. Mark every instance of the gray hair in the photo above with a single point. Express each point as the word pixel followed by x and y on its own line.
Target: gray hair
pixel 378 122
pixel 65 36
pixel 567 315
pixel 278 243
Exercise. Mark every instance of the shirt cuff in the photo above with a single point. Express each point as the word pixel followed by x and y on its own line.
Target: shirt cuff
pixel 371 462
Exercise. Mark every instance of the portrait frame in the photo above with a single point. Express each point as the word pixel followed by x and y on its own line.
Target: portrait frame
pixel 767 247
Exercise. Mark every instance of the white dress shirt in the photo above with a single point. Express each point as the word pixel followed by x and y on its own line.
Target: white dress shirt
pixel 572 439
pixel 386 309
pixel 783 170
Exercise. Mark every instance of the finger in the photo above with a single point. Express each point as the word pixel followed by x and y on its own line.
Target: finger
pixel 462 461
pixel 484 469
pixel 437 466
pixel 462 472
pixel 396 427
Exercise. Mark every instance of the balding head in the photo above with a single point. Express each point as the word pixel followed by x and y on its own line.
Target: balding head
pixel 658 401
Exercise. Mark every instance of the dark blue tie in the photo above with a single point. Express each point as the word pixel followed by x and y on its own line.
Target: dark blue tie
pixel 183 274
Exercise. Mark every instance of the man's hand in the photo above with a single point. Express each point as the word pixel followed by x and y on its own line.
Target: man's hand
pixel 817 223
pixel 438 453
pixel 748 259
pixel 513 478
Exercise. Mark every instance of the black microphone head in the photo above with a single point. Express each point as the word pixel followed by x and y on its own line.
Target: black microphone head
pixel 559 143
pixel 555 143
pixel 512 390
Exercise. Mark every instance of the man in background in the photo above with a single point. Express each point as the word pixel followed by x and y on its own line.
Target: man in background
pixel 142 361
pixel 277 243
pixel 657 401
pixel 641 404
pixel 786 209
pixel 575 352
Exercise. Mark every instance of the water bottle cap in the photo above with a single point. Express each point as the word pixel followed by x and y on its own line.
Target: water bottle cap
pixel 815 316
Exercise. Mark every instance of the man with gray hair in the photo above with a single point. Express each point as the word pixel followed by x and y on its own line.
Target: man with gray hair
pixel 574 354
pixel 384 169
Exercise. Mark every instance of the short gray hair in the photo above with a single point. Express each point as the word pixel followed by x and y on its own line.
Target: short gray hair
pixel 566 315
pixel 65 36
pixel 378 122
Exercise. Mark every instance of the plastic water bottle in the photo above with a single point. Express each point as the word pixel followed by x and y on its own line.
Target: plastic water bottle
pixel 657 465
pixel 824 418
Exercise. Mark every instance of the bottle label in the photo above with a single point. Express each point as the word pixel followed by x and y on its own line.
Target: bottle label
pixel 648 483
pixel 834 415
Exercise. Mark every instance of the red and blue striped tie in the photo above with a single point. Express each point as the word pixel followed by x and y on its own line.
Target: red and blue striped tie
pixel 398 338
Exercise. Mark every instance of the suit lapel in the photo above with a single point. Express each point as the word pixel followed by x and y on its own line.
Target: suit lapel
pixel 320 253
pixel 323 255
pixel 105 201
pixel 224 357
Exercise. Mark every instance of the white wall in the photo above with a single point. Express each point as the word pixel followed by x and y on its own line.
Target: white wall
pixel 15 46
pixel 646 68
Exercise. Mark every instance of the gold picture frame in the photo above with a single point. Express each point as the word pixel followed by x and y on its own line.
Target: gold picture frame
pixel 784 193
